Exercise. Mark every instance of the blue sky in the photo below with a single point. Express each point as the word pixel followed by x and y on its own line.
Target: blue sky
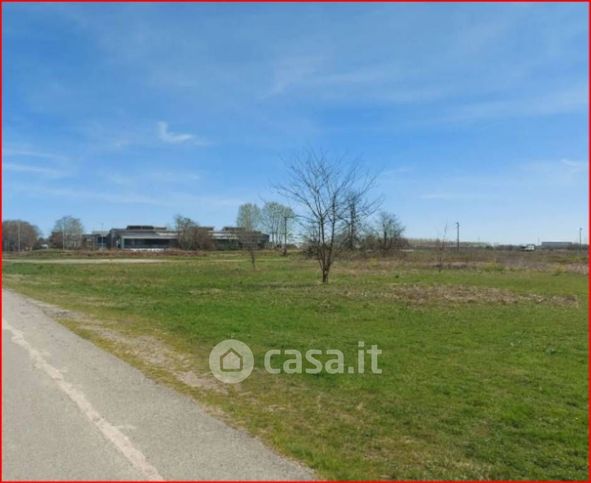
pixel 130 113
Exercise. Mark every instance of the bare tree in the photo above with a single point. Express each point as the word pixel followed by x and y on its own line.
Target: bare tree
pixel 202 238
pixel 271 220
pixel 19 235
pixel 277 220
pixel 67 233
pixel 323 190
pixel 358 209
pixel 389 231
pixel 248 222
pixel 184 227
pixel 191 236
pixel 273 216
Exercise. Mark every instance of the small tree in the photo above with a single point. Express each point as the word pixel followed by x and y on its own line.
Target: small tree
pixel 323 190
pixel 248 222
pixel 67 233
pixel 201 238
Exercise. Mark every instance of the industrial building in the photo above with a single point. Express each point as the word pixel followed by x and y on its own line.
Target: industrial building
pixel 157 238
pixel 142 237
pixel 558 245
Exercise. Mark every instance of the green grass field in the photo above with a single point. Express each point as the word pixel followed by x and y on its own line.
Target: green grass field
pixel 484 364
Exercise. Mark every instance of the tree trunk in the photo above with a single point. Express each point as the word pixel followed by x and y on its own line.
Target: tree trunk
pixel 325 272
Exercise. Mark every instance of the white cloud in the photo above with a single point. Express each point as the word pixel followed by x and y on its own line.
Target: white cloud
pixel 75 194
pixel 168 136
pixel 292 72
pixel 136 179
pixel 32 154
pixel 564 164
pixel 34 170
pixel 575 166
pixel 565 172
pixel 454 196
pixel 569 100
pixel 174 200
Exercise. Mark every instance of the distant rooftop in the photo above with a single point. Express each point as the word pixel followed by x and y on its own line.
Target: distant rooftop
pixel 144 227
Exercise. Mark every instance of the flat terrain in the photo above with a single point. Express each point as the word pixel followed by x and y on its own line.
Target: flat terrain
pixel 484 361
pixel 83 261
pixel 74 412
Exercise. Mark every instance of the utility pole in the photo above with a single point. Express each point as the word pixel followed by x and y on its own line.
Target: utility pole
pixel 18 236
pixel 63 237
pixel 580 239
pixel 285 217
pixel 458 235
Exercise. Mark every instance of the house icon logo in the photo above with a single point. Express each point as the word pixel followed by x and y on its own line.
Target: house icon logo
pixel 231 361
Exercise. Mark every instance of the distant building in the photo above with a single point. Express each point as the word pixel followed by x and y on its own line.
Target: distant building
pixel 557 245
pixel 232 237
pixel 96 240
pixel 156 238
pixel 142 237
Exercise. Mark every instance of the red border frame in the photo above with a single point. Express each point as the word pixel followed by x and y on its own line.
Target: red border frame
pixel 588 2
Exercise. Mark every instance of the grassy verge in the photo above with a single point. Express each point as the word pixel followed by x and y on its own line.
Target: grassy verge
pixel 484 368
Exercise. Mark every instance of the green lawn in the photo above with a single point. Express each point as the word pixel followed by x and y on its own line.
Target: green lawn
pixel 484 369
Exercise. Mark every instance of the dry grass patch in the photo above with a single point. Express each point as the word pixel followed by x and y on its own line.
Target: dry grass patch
pixel 459 294
pixel 148 349
pixel 422 294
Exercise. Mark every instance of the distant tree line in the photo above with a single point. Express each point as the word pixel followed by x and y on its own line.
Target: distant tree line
pixel 19 235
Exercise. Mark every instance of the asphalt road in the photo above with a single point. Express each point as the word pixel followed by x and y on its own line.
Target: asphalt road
pixel 71 411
